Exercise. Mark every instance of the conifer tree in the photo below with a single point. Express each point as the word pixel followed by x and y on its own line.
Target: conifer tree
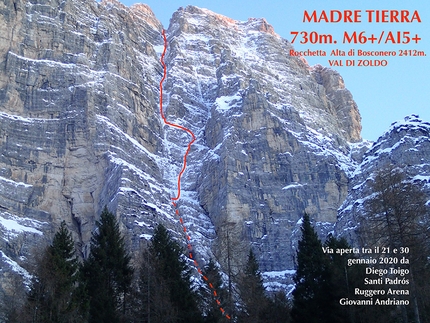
pixel 312 295
pixel 54 293
pixel 172 275
pixel 252 292
pixel 278 310
pixel 342 279
pixel 322 279
pixel 397 217
pixel 214 314
pixel 107 272
pixel 154 303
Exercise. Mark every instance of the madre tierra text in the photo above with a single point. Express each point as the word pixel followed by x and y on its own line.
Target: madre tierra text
pixel 355 16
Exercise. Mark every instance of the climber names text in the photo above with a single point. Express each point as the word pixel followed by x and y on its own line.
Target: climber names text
pixel 384 273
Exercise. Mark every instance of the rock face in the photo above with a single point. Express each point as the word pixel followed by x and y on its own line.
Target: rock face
pixel 274 134
pixel 406 145
pixel 78 119
pixel 80 129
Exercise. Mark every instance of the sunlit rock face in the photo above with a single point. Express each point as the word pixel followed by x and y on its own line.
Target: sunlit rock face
pixel 80 129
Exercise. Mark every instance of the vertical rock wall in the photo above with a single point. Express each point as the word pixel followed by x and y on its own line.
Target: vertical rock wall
pixel 80 129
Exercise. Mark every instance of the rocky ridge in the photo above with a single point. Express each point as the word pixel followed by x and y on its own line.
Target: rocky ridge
pixel 80 129
pixel 406 145
pixel 270 144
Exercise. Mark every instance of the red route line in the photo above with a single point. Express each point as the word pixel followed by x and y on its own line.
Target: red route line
pixel 184 166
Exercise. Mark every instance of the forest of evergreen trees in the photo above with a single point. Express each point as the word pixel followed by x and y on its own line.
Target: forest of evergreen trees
pixel 106 288
pixel 161 288
pixel 395 218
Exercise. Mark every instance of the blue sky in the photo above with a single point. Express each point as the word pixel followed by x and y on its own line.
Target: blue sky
pixel 383 94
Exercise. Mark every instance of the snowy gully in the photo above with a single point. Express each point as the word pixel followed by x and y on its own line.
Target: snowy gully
pixel 184 166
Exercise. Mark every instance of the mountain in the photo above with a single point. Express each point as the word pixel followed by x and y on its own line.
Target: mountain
pixel 80 128
pixel 406 146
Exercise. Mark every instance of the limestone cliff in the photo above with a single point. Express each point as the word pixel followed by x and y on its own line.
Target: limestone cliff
pixel 80 129
pixel 274 133
pixel 78 120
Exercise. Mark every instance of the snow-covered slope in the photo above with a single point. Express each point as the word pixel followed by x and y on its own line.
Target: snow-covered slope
pixel 274 134
pixel 405 145
pixel 80 128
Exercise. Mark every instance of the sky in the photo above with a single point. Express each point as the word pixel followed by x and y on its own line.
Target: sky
pixel 384 94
